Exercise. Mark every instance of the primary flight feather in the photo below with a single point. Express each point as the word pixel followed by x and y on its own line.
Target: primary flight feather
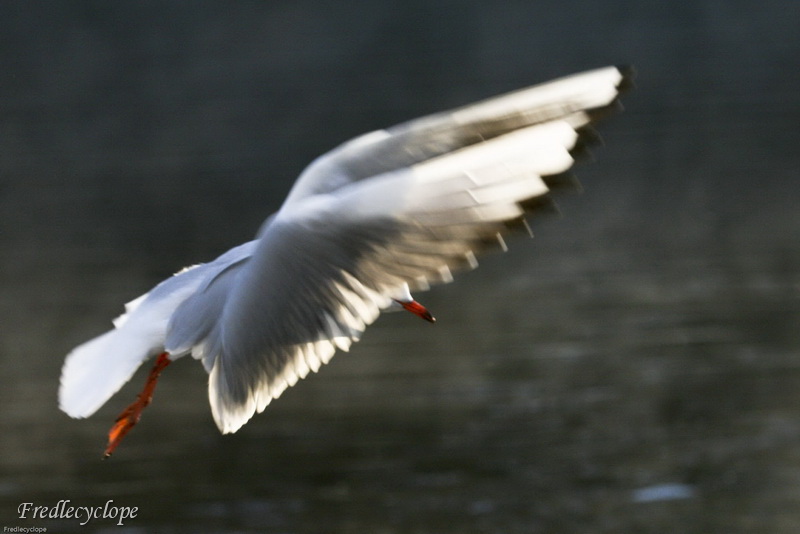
pixel 387 213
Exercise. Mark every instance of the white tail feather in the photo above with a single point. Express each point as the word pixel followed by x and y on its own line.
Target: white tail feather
pixel 96 370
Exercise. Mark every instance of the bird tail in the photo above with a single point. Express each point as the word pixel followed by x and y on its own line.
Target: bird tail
pixel 97 369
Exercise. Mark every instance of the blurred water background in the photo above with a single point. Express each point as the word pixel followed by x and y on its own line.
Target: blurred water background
pixel 635 368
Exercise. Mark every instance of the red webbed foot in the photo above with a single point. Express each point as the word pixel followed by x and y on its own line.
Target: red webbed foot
pixel 131 415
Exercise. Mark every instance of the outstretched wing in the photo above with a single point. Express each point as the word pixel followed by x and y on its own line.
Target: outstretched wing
pixel 428 137
pixel 404 207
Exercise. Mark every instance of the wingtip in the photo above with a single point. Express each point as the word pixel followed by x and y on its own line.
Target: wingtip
pixel 628 73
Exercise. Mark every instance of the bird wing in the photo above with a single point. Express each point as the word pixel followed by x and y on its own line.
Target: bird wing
pixel 421 139
pixel 400 208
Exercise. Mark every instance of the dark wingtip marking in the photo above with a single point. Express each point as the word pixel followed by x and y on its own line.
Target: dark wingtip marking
pixel 628 75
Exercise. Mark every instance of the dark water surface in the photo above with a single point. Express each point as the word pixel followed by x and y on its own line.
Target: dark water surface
pixel 635 368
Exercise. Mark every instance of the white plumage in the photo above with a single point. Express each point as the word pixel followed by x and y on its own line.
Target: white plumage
pixel 388 212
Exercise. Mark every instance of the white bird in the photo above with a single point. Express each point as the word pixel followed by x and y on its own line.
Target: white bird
pixel 388 212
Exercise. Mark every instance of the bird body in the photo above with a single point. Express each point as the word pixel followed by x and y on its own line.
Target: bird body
pixel 390 212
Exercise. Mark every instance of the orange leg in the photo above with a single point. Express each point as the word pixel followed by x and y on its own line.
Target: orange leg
pixel 417 309
pixel 130 415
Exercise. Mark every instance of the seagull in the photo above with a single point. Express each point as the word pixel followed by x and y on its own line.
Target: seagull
pixel 384 214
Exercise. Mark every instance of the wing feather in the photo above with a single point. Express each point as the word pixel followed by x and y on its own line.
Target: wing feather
pixel 407 207
pixel 578 99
